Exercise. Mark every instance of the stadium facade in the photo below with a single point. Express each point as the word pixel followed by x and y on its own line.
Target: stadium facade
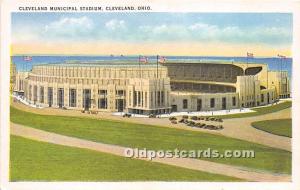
pixel 151 88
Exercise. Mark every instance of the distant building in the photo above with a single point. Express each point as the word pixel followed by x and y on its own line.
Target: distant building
pixel 148 88
pixel 13 73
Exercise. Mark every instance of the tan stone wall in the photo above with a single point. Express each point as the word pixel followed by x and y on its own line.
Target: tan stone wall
pixel 98 72
pixel 20 81
pixel 267 96
pixel 144 89
pixel 110 79
pixel 148 94
pixel 248 88
pixel 177 98
pixel 280 82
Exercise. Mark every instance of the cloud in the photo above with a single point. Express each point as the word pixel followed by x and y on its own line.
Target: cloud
pixel 86 29
pixel 115 24
pixel 235 34
pixel 203 32
pixel 203 26
pixel 69 27
pixel 163 32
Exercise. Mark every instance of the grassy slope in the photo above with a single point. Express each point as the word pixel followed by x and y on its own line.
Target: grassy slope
pixel 260 111
pixel 39 161
pixel 282 127
pixel 156 138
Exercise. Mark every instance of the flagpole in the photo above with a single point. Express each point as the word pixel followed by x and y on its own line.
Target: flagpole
pixel 23 65
pixel 140 66
pixel 247 64
pixel 157 66
pixel 280 86
pixel 280 77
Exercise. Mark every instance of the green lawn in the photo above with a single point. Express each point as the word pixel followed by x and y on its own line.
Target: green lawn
pixel 260 111
pixel 40 161
pixel 156 138
pixel 282 127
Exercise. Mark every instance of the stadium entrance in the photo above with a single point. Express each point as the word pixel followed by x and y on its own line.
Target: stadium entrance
pixel 174 108
pixel 50 96
pixel 223 103
pixel 86 99
pixel 60 97
pixel 120 105
pixel 199 104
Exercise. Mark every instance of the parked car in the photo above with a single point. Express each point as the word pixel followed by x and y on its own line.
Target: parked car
pixel 152 116
pixel 127 115
pixel 185 117
pixel 174 122
pixel 191 123
pixel 219 127
pixel 172 118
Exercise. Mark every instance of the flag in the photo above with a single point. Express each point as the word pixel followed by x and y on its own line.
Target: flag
pixel 281 56
pixel 250 55
pixel 143 59
pixel 161 59
pixel 27 58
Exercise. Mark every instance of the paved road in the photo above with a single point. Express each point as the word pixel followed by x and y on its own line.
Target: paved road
pixel 195 164
pixel 239 128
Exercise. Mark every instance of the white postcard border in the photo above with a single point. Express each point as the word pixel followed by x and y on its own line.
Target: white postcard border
pixel 288 6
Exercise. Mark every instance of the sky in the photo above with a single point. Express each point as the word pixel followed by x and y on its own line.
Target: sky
pixel 200 34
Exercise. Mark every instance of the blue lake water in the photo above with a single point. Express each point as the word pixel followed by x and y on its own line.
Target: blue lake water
pixel 273 63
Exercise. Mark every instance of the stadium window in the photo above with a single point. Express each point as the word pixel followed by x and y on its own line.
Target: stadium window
pixel 102 103
pixel 139 98
pixel 158 98
pixel 120 92
pixel 134 98
pixel 41 94
pixel 262 98
pixel 129 98
pixel 30 92
pixel 146 100
pixel 72 97
pixel 102 92
pixel 233 101
pixel 151 99
pixel 212 102
pixel 185 103
pixel 142 98
pixel 34 93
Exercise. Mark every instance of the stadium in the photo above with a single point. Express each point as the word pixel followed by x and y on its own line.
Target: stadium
pixel 150 88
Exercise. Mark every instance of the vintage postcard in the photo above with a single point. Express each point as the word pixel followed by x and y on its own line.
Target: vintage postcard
pixel 149 94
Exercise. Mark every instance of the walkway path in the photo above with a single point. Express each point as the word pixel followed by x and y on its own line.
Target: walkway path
pixel 195 164
pixel 239 128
